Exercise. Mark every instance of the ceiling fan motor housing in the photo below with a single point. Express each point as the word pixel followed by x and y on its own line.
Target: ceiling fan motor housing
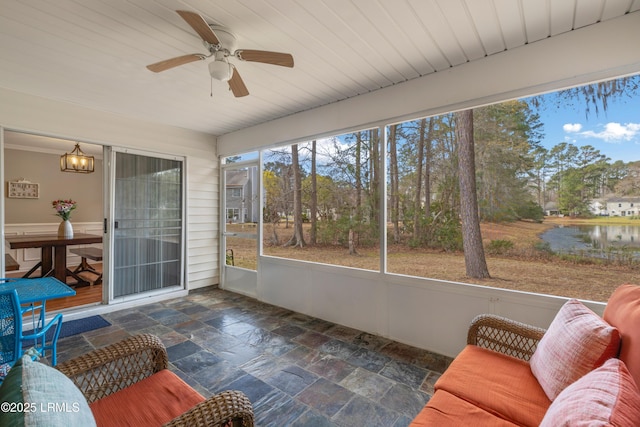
pixel 228 42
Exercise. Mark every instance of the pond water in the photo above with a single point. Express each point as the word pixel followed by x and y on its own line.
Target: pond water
pixel 594 240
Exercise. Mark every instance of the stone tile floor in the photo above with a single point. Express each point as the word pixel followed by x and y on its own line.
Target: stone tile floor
pixel 295 369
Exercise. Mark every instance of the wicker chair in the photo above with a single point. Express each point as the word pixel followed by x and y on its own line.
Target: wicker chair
pixel 504 336
pixel 107 370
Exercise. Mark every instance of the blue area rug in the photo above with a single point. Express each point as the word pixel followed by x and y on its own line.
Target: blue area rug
pixel 79 326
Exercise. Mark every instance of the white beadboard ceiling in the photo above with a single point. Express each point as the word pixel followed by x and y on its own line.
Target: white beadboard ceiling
pixel 93 53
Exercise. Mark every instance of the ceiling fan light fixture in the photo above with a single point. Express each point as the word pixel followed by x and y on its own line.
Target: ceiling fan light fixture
pixel 221 70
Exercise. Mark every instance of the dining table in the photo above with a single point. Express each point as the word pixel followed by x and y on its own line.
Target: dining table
pixel 34 293
pixel 53 252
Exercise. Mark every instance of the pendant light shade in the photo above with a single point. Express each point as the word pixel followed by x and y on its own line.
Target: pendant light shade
pixel 221 70
pixel 77 161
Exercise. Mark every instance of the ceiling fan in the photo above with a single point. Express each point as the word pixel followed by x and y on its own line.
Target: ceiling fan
pixel 221 44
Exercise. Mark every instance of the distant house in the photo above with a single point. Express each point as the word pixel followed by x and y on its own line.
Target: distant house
pixel 242 204
pixel 551 208
pixel 612 206
pixel 599 207
pixel 623 206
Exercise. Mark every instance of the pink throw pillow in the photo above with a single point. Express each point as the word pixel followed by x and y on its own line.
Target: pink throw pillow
pixel 606 396
pixel 577 342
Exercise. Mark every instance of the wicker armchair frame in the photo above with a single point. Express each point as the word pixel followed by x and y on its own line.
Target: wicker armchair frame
pixel 504 335
pixel 107 370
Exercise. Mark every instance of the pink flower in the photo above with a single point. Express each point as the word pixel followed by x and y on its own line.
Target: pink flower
pixel 64 207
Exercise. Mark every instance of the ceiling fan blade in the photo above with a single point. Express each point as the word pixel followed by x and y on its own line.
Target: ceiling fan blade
pixel 237 85
pixel 274 58
pixel 174 62
pixel 200 26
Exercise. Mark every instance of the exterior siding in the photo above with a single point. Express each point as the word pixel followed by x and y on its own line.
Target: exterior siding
pixel 203 223
pixel 32 114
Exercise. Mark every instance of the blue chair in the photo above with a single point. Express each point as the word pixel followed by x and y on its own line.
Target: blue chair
pixel 12 338
pixel 37 323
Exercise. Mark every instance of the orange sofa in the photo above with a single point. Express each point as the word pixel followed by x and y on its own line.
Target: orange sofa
pixel 583 368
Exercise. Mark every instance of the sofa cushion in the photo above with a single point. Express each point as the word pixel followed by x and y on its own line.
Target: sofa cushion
pixel 606 396
pixel 39 395
pixel 577 342
pixel 446 409
pixel 623 312
pixel 499 384
pixel 153 401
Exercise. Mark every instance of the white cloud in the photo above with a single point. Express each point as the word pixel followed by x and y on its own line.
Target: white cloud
pixel 572 127
pixel 614 132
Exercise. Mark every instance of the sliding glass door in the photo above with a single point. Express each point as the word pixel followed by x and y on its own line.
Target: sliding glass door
pixel 147 224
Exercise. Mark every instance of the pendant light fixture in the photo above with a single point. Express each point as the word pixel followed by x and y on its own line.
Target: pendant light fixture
pixel 76 161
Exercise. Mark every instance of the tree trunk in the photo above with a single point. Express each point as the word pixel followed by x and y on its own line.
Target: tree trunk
pixel 314 197
pixel 475 262
pixel 358 173
pixel 427 171
pixel 394 183
pixel 297 239
pixel 275 240
pixel 352 243
pixel 375 176
pixel 417 210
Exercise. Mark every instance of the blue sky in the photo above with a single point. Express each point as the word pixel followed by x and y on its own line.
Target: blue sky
pixel 616 132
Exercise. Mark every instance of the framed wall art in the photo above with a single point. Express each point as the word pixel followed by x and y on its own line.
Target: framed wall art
pixel 23 190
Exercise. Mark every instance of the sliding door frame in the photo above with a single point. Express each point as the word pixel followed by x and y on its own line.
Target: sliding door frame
pixel 110 217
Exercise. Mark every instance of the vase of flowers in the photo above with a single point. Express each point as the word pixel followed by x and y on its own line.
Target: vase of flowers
pixel 63 209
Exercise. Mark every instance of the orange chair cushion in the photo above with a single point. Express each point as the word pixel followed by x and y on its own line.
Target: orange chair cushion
pixel 497 383
pixel 153 401
pixel 623 312
pixel 445 409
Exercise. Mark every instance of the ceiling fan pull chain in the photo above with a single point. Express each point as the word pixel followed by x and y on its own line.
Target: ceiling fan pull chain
pixel 211 83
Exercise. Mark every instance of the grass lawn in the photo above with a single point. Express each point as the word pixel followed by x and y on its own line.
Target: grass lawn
pixel 522 268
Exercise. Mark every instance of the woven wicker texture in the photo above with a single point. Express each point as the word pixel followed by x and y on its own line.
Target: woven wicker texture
pixel 109 369
pixel 117 366
pixel 223 409
pixel 504 335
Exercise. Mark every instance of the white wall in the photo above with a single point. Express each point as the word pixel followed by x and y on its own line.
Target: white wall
pixel 428 313
pixel 26 113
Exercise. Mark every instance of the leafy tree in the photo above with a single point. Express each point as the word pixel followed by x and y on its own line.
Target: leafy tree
pixel 626 178
pixel 273 202
pixel 538 174
pixel 282 168
pixel 232 159
pixel 570 199
pixel 505 136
